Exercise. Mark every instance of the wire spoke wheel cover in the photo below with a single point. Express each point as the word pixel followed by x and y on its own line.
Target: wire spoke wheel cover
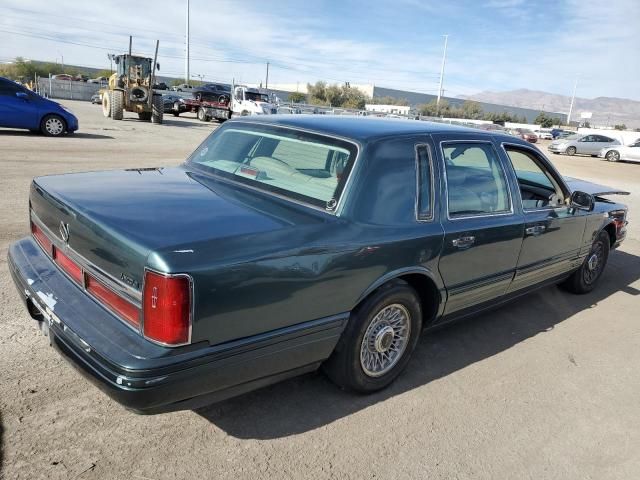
pixel 385 340
pixel 54 126
pixel 594 263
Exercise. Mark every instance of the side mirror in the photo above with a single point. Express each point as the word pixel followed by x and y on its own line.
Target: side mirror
pixel 22 95
pixel 581 201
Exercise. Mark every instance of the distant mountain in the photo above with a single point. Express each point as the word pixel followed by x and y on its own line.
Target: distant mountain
pixel 606 110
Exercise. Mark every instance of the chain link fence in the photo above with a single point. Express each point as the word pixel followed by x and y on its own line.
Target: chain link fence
pixel 68 89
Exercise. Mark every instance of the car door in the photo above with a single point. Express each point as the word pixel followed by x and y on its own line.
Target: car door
pixel 18 107
pixel 584 145
pixel 632 152
pixel 553 232
pixel 601 142
pixel 483 232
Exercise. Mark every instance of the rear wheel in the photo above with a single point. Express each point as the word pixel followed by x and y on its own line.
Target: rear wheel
pixel 53 126
pixel 157 109
pixel 612 155
pixel 571 151
pixel 117 104
pixel 378 341
pixel 586 277
pixel 201 115
pixel 106 104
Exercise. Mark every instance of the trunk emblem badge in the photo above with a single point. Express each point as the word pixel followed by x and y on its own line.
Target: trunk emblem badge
pixel 64 231
pixel 154 297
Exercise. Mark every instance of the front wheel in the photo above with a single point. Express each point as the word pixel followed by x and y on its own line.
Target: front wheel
pixel 53 126
pixel 106 104
pixel 612 156
pixel 117 104
pixel 586 277
pixel 157 109
pixel 571 151
pixel 378 341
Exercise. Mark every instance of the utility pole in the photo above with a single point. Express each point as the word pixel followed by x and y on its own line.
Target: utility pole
pixel 266 82
pixel 186 58
pixel 573 98
pixel 444 59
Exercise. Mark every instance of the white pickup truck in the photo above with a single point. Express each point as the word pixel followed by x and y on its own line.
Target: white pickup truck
pixel 251 101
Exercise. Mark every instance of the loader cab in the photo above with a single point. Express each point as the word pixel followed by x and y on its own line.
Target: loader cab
pixel 133 67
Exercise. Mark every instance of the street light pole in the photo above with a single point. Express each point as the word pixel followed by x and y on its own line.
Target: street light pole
pixel 444 59
pixel 186 58
pixel 266 83
pixel 573 98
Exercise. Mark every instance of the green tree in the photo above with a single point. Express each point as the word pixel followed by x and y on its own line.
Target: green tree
pixel 103 73
pixel 620 126
pixel 471 109
pixel 297 97
pixel 333 95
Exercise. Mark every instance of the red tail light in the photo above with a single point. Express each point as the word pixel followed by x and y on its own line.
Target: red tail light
pixel 122 307
pixel 41 238
pixel 167 308
pixel 68 265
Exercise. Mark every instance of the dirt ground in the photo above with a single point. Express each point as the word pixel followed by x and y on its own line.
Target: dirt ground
pixel 546 387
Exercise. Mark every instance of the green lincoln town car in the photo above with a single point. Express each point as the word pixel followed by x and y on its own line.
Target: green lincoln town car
pixel 285 244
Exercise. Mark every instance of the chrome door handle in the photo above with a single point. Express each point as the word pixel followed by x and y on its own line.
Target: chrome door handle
pixel 537 230
pixel 464 242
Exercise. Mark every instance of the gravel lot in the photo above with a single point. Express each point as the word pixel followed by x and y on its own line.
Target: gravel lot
pixel 546 387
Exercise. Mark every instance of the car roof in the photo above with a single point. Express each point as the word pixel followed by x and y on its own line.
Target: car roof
pixel 362 128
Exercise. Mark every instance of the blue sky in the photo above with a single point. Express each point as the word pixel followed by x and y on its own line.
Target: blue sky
pixel 493 44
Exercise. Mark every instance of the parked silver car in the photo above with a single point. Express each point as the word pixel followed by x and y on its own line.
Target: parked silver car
pixel 582 144
pixel 630 153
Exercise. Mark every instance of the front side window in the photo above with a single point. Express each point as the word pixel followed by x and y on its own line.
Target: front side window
pixel 538 188
pixel 302 166
pixel 476 182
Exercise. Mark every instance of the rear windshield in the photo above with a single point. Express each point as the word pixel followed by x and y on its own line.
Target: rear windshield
pixel 302 166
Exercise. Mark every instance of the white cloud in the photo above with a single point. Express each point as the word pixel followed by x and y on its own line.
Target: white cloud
pixel 596 41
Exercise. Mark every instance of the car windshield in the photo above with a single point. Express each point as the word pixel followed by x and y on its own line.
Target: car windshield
pixel 256 97
pixel 298 165
pixel 573 137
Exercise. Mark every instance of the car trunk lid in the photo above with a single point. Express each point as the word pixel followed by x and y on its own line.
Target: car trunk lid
pixel 114 220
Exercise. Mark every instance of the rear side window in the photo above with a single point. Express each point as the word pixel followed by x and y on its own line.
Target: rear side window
pixel 476 182
pixel 425 183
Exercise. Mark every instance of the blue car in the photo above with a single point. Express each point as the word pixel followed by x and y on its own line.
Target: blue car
pixel 22 108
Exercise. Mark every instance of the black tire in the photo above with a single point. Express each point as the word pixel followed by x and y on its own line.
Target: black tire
pixel 244 113
pixel 345 367
pixel 612 155
pixel 157 109
pixel 571 151
pixel 106 104
pixel 585 278
pixel 201 115
pixel 53 126
pixel 176 109
pixel 144 116
pixel 117 104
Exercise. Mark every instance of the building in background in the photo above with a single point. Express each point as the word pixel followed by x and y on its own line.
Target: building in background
pixel 388 109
